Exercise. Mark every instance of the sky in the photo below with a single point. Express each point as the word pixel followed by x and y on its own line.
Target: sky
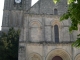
pixel 1 11
pixel 2 7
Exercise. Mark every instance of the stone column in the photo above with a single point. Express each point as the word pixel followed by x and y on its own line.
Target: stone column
pixel 22 53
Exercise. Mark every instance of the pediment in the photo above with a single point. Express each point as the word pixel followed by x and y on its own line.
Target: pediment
pixel 48 7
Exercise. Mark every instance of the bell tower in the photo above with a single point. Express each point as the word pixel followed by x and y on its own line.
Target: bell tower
pixel 17 4
pixel 13 13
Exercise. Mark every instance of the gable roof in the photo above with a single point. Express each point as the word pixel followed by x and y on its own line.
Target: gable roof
pixel 47 7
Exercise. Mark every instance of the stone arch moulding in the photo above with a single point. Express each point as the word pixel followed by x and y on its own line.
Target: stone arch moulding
pixel 35 24
pixel 56 22
pixel 35 31
pixel 59 24
pixel 77 57
pixel 58 52
pixel 35 56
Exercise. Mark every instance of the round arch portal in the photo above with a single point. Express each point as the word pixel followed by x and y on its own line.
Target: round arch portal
pixel 58 54
pixel 77 57
pixel 57 58
pixel 35 56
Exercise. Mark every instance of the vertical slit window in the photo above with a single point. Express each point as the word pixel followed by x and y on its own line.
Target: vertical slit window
pixel 55 12
pixel 56 33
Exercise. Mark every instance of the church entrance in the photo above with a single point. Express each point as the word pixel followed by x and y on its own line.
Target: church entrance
pixel 57 58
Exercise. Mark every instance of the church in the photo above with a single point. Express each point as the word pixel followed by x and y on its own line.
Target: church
pixel 43 36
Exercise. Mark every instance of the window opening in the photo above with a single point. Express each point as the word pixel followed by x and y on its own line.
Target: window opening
pixel 55 12
pixel 56 33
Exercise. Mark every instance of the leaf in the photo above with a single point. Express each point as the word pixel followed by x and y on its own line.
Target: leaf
pixel 78 35
pixel 55 1
pixel 76 43
pixel 70 1
pixel 9 41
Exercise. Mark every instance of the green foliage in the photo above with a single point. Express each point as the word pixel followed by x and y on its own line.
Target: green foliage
pixel 65 16
pixel 74 14
pixel 9 45
pixel 77 42
pixel 70 1
pixel 55 1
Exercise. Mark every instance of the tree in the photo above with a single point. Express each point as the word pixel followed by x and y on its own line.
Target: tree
pixel 3 46
pixel 73 13
pixel 9 45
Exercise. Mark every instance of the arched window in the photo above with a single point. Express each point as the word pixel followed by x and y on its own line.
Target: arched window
pixel 55 12
pixel 56 33
pixel 35 32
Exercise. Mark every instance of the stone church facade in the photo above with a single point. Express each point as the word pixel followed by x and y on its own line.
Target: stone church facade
pixel 43 36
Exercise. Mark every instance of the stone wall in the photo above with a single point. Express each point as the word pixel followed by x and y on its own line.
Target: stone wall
pixel 41 28
pixel 13 14
pixel 10 5
pixel 48 51
pixel 48 7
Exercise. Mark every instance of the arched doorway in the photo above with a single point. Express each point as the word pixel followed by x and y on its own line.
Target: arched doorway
pixel 57 58
pixel 35 56
pixel 58 54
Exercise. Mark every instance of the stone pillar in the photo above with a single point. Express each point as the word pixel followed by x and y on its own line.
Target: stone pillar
pixel 22 53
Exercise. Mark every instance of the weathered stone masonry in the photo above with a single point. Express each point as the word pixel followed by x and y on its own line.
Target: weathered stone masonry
pixel 43 36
